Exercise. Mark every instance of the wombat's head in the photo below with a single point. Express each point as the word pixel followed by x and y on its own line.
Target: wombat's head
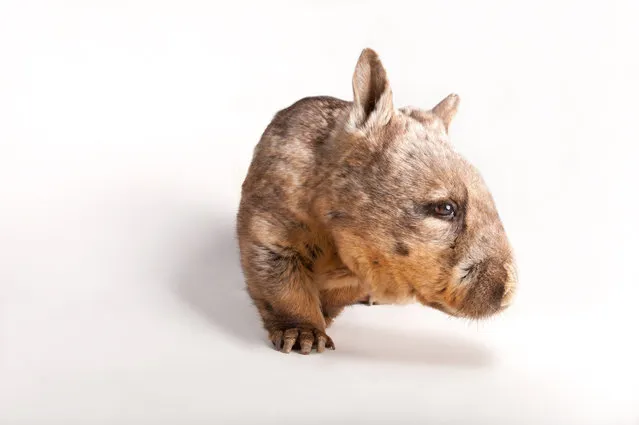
pixel 404 208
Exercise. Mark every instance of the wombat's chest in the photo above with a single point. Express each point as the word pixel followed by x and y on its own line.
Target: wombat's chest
pixel 332 276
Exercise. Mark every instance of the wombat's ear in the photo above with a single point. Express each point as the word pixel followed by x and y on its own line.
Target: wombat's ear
pixel 373 99
pixel 447 108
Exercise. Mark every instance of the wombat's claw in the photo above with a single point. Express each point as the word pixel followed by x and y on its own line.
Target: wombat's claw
pixel 304 339
pixel 367 301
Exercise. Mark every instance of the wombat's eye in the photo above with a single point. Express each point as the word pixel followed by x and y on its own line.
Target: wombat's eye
pixel 445 209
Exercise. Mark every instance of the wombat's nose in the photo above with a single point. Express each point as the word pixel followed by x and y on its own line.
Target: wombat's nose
pixel 488 291
pixel 497 291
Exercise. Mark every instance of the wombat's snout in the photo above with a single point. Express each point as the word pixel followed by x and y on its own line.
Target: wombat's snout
pixel 491 286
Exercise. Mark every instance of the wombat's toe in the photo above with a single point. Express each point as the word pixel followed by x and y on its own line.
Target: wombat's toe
pixel 367 300
pixel 302 339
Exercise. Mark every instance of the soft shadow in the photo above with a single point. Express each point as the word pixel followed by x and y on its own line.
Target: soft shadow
pixel 210 282
pixel 398 346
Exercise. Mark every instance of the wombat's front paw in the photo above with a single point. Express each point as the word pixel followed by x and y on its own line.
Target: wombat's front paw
pixel 303 339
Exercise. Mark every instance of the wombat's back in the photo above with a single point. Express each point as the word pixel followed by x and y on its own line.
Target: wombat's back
pixel 290 152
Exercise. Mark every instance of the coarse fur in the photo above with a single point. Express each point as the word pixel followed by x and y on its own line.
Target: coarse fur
pixel 337 207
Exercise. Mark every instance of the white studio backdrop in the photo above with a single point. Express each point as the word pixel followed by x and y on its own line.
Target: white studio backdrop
pixel 126 129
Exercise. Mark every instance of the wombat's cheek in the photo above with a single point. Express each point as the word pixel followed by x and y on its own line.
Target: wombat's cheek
pixel 353 251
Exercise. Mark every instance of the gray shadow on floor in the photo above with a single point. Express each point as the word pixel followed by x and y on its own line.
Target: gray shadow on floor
pixel 210 282
pixel 396 345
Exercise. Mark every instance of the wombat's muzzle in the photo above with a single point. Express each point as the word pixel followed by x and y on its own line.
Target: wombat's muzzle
pixel 490 288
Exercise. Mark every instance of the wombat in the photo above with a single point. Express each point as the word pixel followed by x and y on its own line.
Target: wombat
pixel 351 201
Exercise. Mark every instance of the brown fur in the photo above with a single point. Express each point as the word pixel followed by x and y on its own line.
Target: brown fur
pixel 337 208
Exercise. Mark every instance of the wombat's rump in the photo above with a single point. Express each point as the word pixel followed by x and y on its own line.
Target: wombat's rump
pixel 351 201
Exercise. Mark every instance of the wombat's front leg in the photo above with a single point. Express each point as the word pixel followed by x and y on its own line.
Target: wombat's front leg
pixel 282 288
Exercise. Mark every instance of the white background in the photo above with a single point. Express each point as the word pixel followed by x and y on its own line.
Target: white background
pixel 126 129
